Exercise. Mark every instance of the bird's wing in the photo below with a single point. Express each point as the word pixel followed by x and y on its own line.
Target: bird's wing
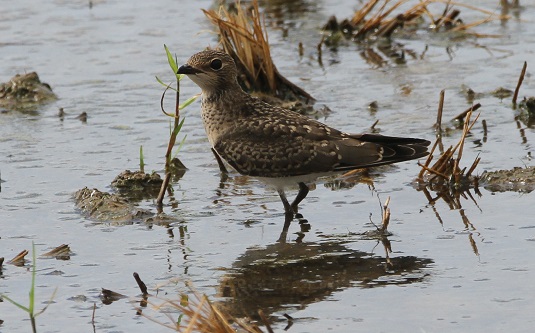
pixel 283 143
pixel 274 156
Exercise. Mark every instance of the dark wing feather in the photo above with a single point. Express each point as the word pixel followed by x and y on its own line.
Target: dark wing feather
pixel 389 149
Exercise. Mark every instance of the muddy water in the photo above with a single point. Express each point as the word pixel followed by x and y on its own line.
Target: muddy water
pixel 455 270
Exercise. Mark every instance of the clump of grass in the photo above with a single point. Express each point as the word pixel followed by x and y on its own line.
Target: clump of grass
pixel 379 19
pixel 243 35
pixel 199 314
pixel 445 175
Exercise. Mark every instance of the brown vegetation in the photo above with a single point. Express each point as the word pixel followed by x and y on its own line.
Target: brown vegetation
pixel 242 34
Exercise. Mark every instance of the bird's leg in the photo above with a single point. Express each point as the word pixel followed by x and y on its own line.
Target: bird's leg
pixel 287 207
pixel 303 192
pixel 288 215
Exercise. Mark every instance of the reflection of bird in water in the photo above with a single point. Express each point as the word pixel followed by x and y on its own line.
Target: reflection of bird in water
pixel 280 275
pixel 279 146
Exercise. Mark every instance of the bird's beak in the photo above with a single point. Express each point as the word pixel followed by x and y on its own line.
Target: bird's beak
pixel 187 69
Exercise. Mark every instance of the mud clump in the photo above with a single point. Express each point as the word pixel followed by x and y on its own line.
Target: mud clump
pixel 516 179
pixel 137 185
pixel 25 91
pixel 502 93
pixel 528 104
pixel 104 206
pixel 131 186
pixel 526 112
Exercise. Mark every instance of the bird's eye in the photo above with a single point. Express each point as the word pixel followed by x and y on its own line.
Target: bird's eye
pixel 216 64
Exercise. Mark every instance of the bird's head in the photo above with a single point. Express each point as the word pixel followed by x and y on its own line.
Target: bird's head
pixel 213 71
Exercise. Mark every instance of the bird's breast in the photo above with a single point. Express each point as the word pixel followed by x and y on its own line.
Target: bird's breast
pixel 217 120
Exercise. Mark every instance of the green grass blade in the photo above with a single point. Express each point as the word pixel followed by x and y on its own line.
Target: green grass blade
pixel 165 84
pixel 170 59
pixel 180 145
pixel 188 102
pixel 48 303
pixel 141 159
pixel 20 306
pixel 179 127
pixel 160 81
pixel 32 288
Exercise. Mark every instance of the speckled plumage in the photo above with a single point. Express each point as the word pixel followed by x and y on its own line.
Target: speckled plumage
pixel 270 142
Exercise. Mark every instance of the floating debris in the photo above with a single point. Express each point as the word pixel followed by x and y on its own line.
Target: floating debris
pixel 62 252
pixel 19 259
pixel 108 296
pixel 82 117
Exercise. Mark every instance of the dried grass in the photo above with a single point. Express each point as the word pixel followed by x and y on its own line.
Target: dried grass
pixel 378 18
pixel 243 35
pixel 199 315
pixel 445 176
pixel 446 168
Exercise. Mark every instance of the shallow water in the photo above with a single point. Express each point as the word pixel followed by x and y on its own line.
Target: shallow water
pixel 456 275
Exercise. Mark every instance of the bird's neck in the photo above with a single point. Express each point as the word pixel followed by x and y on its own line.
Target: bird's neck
pixel 223 94
pixel 221 111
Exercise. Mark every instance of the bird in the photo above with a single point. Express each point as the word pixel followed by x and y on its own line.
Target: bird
pixel 280 147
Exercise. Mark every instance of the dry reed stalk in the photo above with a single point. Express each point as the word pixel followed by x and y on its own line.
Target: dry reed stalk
pixel 465 5
pixel 374 20
pixel 520 80
pixel 360 15
pixel 379 25
pixel 199 315
pixel 438 124
pixel 447 167
pixel 243 35
pixel 461 116
pixel 385 220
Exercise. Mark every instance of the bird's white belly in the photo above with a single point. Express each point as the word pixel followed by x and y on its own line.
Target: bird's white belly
pixel 293 181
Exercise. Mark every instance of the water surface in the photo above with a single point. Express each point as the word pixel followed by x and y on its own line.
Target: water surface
pixel 453 275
